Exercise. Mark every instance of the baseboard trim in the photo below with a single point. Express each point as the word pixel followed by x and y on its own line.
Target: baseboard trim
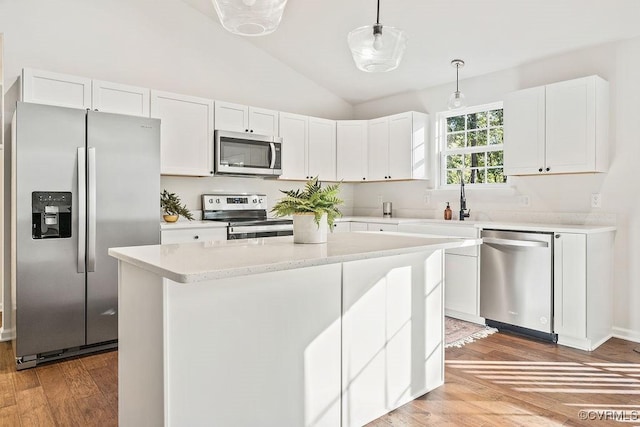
pixel 626 334
pixel 7 334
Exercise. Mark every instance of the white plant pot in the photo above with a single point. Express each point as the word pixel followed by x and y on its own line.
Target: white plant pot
pixel 305 229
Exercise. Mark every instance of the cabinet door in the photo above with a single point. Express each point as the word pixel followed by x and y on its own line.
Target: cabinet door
pixel 524 132
pixel 461 284
pixel 570 285
pixel 338 227
pixel 121 99
pixel 263 122
pixel 351 150
pixel 293 130
pixel 186 133
pixel 359 226
pixel 45 87
pixel 232 117
pixel 322 149
pixel 571 132
pixel 378 149
pixel 400 145
pixel 374 226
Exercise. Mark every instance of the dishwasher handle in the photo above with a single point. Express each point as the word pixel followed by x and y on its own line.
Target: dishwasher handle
pixel 511 242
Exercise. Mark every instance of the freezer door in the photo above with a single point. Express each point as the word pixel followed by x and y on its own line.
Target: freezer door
pixel 50 289
pixel 123 206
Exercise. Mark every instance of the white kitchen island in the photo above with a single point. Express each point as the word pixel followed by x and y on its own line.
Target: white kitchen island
pixel 266 332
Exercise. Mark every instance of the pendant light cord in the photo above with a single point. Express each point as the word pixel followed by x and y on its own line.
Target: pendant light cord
pixel 457 69
pixel 378 14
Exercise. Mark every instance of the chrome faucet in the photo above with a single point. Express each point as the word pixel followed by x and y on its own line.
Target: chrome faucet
pixel 464 212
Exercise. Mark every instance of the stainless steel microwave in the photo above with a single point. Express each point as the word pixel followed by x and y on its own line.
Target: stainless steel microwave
pixel 239 153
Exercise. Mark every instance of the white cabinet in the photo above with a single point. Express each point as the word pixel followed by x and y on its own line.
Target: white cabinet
pixel 392 333
pixel 359 226
pixel 557 128
pixel 121 99
pixel 351 150
pixel 46 87
pixel 186 133
pixel 375 226
pixel 583 289
pixel 341 227
pixel 186 235
pixel 462 270
pixel 242 118
pixel 397 147
pixel 308 147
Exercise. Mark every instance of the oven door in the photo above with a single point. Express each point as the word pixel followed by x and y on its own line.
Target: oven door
pixel 254 232
pixel 238 153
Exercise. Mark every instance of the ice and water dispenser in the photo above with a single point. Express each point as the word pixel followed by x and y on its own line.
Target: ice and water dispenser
pixel 51 214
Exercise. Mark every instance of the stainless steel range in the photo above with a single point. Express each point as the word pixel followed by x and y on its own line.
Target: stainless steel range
pixel 246 215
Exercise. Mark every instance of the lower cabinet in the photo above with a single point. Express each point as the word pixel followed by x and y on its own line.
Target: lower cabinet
pixel 375 226
pixel 342 227
pixel 392 333
pixel 187 235
pixel 583 289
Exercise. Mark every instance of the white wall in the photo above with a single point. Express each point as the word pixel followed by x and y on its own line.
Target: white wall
pixel 564 198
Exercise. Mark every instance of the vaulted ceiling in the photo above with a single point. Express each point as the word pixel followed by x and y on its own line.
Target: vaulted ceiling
pixel 489 35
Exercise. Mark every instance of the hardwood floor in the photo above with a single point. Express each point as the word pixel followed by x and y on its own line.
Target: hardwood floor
pixel 499 380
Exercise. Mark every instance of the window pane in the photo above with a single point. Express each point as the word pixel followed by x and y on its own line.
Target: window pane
pixel 477 138
pixel 478 160
pixel 477 120
pixel 467 177
pixel 495 118
pixel 454 161
pixel 455 140
pixel 455 123
pixel 496 136
pixel 495 158
pixel 477 176
pixel 453 177
pixel 496 175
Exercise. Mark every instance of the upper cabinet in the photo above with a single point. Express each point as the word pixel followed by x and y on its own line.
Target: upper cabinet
pixel 308 147
pixel 45 87
pixel 397 147
pixel 557 128
pixel 242 118
pixel 351 149
pixel 186 146
pixel 122 99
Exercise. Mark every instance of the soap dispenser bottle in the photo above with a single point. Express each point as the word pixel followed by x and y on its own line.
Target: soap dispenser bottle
pixel 447 212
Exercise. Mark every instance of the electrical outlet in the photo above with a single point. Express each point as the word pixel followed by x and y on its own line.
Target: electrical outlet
pixel 596 200
pixel 379 199
pixel 524 200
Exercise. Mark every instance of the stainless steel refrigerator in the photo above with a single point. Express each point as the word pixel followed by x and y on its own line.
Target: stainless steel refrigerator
pixel 82 182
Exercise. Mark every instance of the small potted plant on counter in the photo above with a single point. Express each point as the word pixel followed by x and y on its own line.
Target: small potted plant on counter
pixel 172 208
pixel 314 210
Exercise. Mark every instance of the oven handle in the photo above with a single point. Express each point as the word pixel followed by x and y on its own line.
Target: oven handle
pixel 259 228
pixel 510 242
pixel 272 153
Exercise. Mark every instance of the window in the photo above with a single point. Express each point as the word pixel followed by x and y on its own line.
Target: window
pixel 472 146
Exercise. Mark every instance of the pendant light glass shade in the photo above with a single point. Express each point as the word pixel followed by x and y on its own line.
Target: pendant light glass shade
pixel 376 48
pixel 250 17
pixel 456 100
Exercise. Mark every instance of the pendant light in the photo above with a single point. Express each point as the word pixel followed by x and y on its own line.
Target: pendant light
pixel 250 17
pixel 456 100
pixel 377 49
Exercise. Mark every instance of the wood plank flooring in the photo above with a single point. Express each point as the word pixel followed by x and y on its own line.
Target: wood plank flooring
pixel 499 380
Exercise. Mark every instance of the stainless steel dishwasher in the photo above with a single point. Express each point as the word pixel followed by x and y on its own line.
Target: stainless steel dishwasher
pixel 516 281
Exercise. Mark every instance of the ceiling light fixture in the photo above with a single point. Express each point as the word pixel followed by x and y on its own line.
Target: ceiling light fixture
pixel 250 17
pixel 375 50
pixel 456 100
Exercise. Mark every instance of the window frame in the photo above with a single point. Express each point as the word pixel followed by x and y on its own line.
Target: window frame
pixel 441 138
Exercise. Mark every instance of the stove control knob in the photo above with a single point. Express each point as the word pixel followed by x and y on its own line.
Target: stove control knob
pixel 218 201
pixel 260 201
pixel 210 200
pixel 255 200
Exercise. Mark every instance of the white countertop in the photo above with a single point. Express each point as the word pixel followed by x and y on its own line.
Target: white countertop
pixel 194 262
pixel 182 224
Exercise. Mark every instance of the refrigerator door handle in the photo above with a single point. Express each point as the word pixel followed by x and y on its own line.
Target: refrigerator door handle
pixel 82 207
pixel 91 223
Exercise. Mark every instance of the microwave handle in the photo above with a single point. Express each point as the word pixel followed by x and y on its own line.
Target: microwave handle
pixel 273 155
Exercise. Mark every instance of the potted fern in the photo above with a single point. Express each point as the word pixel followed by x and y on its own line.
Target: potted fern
pixel 172 208
pixel 314 210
